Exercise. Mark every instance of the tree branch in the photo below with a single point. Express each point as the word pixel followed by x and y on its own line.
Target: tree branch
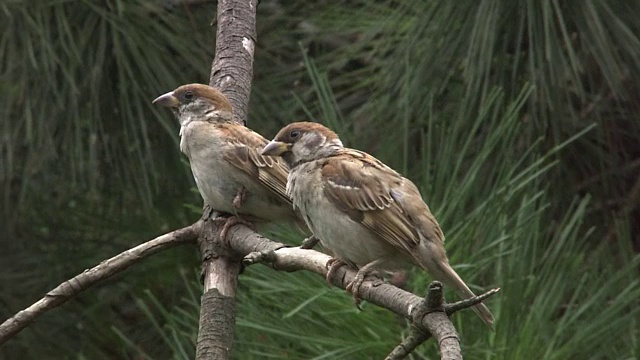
pixel 432 306
pixel 74 286
pixel 430 315
pixel 279 257
pixel 256 248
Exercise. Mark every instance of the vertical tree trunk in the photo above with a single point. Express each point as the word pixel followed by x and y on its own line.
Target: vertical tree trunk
pixel 232 73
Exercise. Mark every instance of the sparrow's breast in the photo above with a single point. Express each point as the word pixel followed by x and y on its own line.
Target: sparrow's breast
pixel 212 174
pixel 219 182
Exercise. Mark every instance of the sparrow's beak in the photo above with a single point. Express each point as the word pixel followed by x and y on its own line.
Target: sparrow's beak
pixel 276 148
pixel 168 100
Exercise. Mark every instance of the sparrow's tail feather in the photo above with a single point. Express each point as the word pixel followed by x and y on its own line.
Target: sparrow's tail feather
pixel 454 280
pixel 442 271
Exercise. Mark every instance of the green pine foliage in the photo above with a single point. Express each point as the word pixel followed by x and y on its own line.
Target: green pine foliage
pixel 517 120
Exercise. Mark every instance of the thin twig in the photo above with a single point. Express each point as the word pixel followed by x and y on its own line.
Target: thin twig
pixel 463 304
pixel 410 343
pixel 72 287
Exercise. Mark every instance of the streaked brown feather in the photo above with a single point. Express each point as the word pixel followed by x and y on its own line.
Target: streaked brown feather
pixel 244 154
pixel 358 183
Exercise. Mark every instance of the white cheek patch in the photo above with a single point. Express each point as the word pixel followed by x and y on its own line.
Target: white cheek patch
pixel 307 147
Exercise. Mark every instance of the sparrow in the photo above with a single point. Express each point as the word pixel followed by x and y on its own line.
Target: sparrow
pixel 230 173
pixel 365 213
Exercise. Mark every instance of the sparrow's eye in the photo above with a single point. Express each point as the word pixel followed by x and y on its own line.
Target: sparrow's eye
pixel 294 134
pixel 188 95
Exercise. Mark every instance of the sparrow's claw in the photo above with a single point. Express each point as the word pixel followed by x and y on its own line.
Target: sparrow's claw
pixel 332 265
pixel 309 242
pixel 354 288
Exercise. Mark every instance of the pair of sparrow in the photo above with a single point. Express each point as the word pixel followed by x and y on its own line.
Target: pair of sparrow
pixel 365 213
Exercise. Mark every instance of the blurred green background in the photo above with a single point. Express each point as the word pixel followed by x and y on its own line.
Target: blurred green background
pixel 519 121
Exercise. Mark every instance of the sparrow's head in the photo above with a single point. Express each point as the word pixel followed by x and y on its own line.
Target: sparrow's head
pixel 303 141
pixel 195 102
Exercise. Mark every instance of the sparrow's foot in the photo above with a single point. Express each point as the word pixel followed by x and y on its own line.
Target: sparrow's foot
pixel 230 222
pixel 354 286
pixel 240 198
pixel 309 242
pixel 332 265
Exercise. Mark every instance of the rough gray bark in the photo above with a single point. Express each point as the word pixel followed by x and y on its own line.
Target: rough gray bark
pixel 232 69
pixel 220 269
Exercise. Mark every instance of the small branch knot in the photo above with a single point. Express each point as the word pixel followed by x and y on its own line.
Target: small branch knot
pixel 267 257
pixel 434 299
